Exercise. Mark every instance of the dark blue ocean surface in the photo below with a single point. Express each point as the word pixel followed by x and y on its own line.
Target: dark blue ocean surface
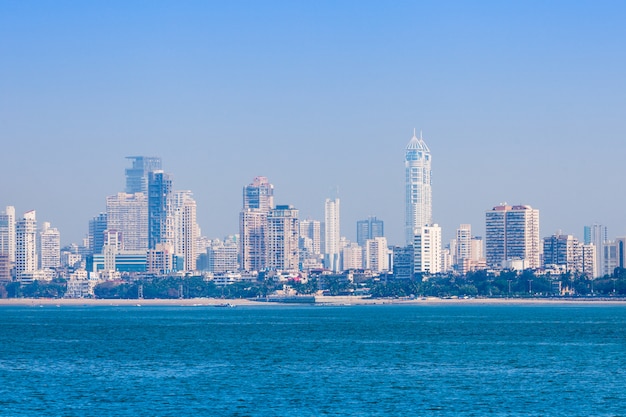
pixel 311 361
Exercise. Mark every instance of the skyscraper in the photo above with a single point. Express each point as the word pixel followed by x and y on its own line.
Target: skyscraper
pixel 332 235
pixel 376 254
pixel 49 247
pixel 137 176
pixel 258 200
pixel 7 233
pixel 369 229
pixel 128 214
pixel 512 233
pixel 427 249
pixel 597 235
pixel 97 226
pixel 563 251
pixel 418 197
pixel 26 244
pixel 160 219
pixel 259 195
pixel 185 228
pixel 283 234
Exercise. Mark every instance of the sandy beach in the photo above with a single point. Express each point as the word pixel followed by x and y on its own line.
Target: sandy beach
pixel 319 300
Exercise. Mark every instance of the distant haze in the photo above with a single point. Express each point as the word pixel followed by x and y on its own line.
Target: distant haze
pixel 519 102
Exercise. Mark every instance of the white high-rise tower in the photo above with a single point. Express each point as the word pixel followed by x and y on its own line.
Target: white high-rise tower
pixel 332 235
pixel 418 201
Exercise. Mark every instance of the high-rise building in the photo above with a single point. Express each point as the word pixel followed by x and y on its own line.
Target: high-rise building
pixel 26 245
pixel 427 250
pixel 418 197
pixel 160 216
pixel 376 255
pixel 283 235
pixel 7 233
pixel 352 256
pixel 222 256
pixel 311 230
pixel 332 235
pixel 253 239
pixel 369 229
pixel 49 244
pixel 310 244
pixel 463 248
pixel 128 214
pixel 185 228
pixel 137 175
pixel 564 251
pixel 512 234
pixel 259 195
pixel 258 200
pixel 589 260
pixel 403 262
pixel 97 226
pixel 597 235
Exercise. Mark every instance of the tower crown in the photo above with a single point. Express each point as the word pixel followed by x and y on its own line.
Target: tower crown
pixel 415 146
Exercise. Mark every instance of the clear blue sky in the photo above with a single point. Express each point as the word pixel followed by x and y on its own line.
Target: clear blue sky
pixel 523 102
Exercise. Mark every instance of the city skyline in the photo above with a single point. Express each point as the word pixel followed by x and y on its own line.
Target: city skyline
pixel 520 103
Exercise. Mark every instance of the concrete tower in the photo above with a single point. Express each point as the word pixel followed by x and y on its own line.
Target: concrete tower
pixel 512 234
pixel 418 197
pixel 258 200
pixel 137 176
pixel 26 244
pixel 7 233
pixel 332 235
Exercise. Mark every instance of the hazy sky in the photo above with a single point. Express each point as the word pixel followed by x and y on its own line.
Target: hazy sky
pixel 523 102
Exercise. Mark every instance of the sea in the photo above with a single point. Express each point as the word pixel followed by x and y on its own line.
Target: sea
pixel 379 360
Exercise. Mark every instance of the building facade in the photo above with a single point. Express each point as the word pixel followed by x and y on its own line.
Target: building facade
pixel 283 234
pixel 128 214
pixel 26 245
pixel 369 228
pixel 418 193
pixel 137 175
pixel 427 250
pixel 332 235
pixel 512 234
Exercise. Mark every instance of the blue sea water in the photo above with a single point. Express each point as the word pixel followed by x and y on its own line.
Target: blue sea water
pixel 472 360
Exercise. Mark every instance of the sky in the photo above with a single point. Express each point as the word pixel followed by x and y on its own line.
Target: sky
pixel 519 102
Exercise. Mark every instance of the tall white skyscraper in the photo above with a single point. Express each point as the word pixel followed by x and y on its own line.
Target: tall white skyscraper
pixel 512 234
pixel 7 233
pixel 49 247
pixel 427 249
pixel 418 197
pixel 26 244
pixel 185 228
pixel 332 235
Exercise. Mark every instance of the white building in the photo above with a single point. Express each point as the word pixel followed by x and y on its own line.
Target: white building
pixel 222 256
pixel 128 214
pixel 7 233
pixel 283 235
pixel 512 234
pixel 185 228
pixel 332 235
pixel 49 247
pixel 352 255
pixel 26 245
pixel 418 194
pixel 427 249
pixel 376 254
pixel 463 247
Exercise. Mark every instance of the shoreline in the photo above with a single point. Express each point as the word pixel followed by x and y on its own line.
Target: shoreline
pixel 319 301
